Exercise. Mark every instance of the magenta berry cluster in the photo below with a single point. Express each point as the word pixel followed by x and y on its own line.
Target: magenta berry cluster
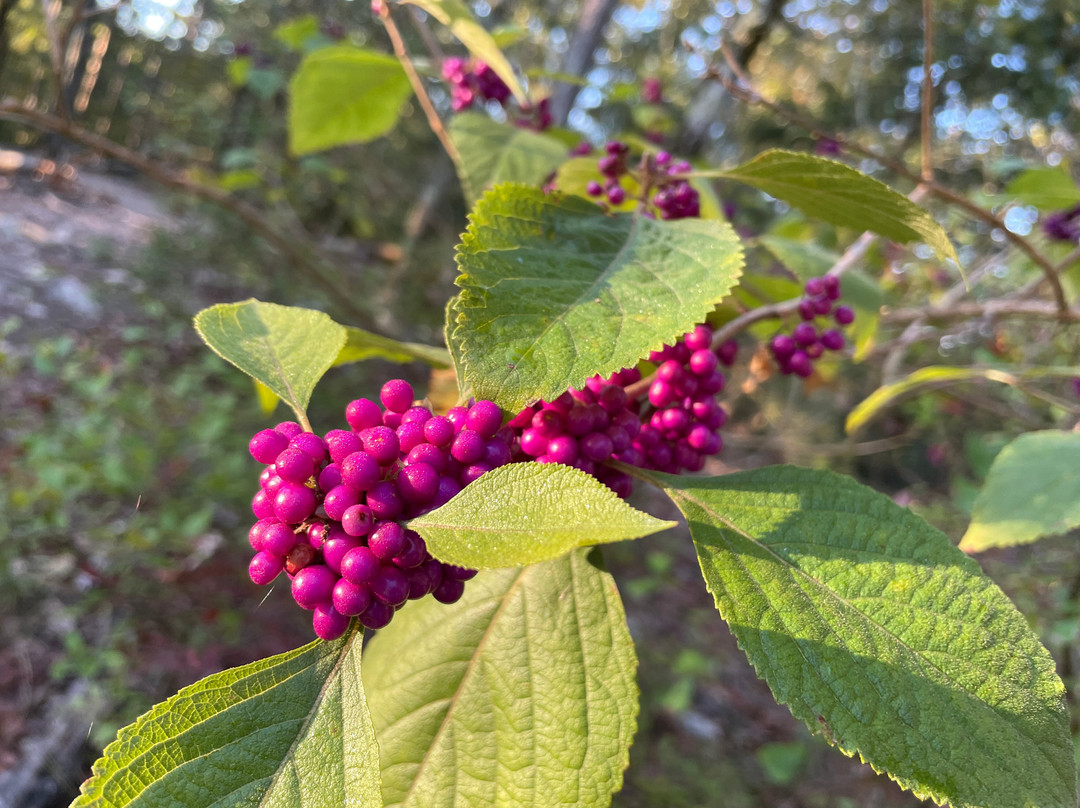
pixel 675 198
pixel 671 426
pixel 471 80
pixel 330 509
pixel 612 166
pixel 795 353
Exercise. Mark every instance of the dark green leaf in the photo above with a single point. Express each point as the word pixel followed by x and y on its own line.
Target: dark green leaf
pixel 1033 490
pixel 520 694
pixel 343 95
pixel 491 152
pixel 882 636
pixel 832 191
pixel 1047 188
pixel 286 348
pixel 523 513
pixel 554 291
pixel 291 730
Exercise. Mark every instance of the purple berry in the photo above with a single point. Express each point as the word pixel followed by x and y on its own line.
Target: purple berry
pixel 329 477
pixel 783 346
pixel 428 454
pixel 468 447
pixel 336 547
pixel 294 503
pixel 397 395
pixel 384 500
pixel 363 414
pixel 597 446
pixel 832 287
pixel 832 340
pixel 814 287
pixel 703 362
pixel 294 465
pixel 415 551
pixel 563 449
pixel 262 505
pixel 418 483
pixel 800 364
pixel 264 568
pixel 377 615
pixel 449 590
pixel 439 431
pixel 266 445
pixel 359 565
pixel 338 500
pixel 290 429
pixel 804 334
pixel 360 471
pixel 381 443
pixel 329 623
pixel 616 195
pixel 419 415
pixel 390 585
pixel 484 418
pixel 342 444
pixel 350 599
pixel 593 188
pixel 313 586
pixel 844 315
pixel 313 445
pixel 278 539
pixel 357 520
pixel 387 540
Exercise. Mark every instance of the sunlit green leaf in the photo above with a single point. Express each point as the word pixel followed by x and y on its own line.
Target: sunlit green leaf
pixel 361 345
pixel 880 635
pixel 286 348
pixel 554 291
pixel 523 513
pixel 290 731
pixel 520 694
pixel 832 191
pixel 1032 490
pixel 343 94
pixel 491 152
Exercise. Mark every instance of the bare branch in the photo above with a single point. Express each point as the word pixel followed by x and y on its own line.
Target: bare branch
pixel 927 89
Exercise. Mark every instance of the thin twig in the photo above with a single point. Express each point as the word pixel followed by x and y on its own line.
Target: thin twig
pixel 434 121
pixel 1035 309
pixel 927 89
pixel 434 49
pixel 288 243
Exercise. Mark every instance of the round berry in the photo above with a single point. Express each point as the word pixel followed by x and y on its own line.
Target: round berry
pixel 727 352
pixel 262 504
pixel 783 346
pixel 832 340
pixel 357 520
pixel 363 414
pixel 384 500
pixel 312 444
pixel 342 444
pixel 377 615
pixel 415 551
pixel 266 445
pixel 806 310
pixel 359 565
pixel 294 465
pixel 593 188
pixel 814 287
pixel 329 623
pixel 277 539
pixel 299 557
pixel 410 435
pixel 416 415
pixel 844 315
pixel 439 431
pixel 338 500
pixel 468 447
pixel 661 393
pixel 336 548
pixel 390 585
pixel 360 471
pixel 313 586
pixel 800 364
pixel 596 446
pixel 484 418
pixel 616 195
pixel 804 334
pixel 832 287
pixel 449 590
pixel 703 362
pixel 349 598
pixel 397 395
pixel 387 540
pixel 381 443
pixel 329 477
pixel 294 503
pixel 264 568
pixel 290 429
pixel 428 454
pixel 418 482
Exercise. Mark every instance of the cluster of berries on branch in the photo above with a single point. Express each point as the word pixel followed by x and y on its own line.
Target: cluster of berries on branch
pixel 330 509
pixel 795 353
pixel 473 80
pixel 674 197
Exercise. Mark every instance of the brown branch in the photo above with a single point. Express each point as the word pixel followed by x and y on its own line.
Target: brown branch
pixel 434 121
pixel 287 243
pixel 927 89
pixel 1024 309
pixel 745 92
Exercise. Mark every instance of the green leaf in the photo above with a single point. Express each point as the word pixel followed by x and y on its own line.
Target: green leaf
pixel 454 345
pixel 492 152
pixel 1032 490
pixel 520 694
pixel 290 730
pixel 267 400
pixel 832 191
pixel 935 376
pixel 288 349
pixel 343 95
pixel 295 33
pixel 456 16
pixel 804 258
pixel 1047 188
pixel 878 633
pixel 523 513
pixel 555 291
pixel 361 345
